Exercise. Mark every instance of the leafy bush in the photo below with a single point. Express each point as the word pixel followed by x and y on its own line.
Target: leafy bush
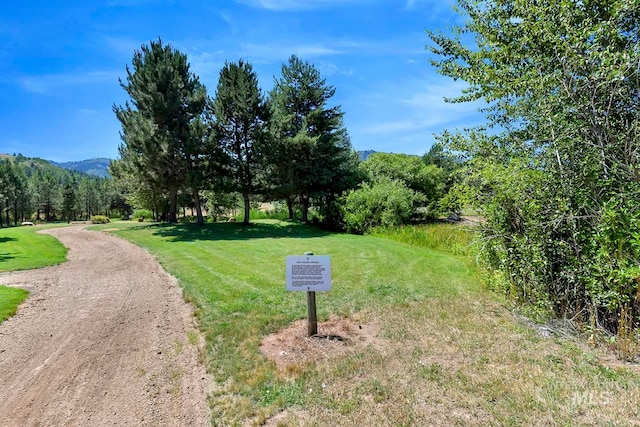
pixel 100 219
pixel 143 213
pixel 220 205
pixel 264 214
pixel 559 183
pixel 411 170
pixel 385 202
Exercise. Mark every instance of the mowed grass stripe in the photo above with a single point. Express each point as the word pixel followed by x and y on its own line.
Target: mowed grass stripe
pixel 362 267
pixel 22 248
pixel 445 352
pixel 10 299
pixel 235 275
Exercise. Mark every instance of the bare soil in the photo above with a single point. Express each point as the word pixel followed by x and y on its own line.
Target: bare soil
pixel 291 348
pixel 103 339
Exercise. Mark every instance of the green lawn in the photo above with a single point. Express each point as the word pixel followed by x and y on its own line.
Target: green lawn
pixel 21 248
pixel 10 299
pixel 447 352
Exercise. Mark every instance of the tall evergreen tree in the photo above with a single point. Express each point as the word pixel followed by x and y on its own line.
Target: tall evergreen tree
pixel 13 191
pixel 47 189
pixel 22 197
pixel 240 127
pixel 311 155
pixel 69 200
pixel 5 189
pixel 159 142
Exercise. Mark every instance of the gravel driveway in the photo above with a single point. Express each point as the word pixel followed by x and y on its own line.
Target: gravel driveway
pixel 102 340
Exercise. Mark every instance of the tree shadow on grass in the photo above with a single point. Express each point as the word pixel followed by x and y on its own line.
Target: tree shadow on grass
pixel 5 257
pixel 236 231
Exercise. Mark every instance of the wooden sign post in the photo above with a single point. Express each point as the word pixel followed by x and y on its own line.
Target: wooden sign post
pixel 312 318
pixel 309 273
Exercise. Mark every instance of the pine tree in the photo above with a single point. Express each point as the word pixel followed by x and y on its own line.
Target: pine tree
pixel 239 127
pixel 311 155
pixel 159 142
pixel 69 200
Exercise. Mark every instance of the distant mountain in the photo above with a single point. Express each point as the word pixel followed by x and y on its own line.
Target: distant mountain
pixel 97 167
pixel 31 165
pixel 365 154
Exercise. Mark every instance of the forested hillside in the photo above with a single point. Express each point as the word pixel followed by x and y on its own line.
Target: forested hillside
pixel 33 189
pixel 97 167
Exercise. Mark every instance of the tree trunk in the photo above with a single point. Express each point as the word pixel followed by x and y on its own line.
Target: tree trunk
pixel 290 207
pixel 196 200
pixel 305 208
pixel 173 205
pixel 15 212
pixel 247 208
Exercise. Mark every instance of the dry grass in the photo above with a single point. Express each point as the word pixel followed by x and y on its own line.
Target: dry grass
pixel 434 348
pixel 464 361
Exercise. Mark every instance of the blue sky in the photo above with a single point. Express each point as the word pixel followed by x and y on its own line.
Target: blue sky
pixel 60 61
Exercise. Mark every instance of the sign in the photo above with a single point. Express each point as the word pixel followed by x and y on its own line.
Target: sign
pixel 308 273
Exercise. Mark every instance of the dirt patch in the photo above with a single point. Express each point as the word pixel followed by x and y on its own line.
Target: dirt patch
pixel 471 220
pixel 104 339
pixel 291 348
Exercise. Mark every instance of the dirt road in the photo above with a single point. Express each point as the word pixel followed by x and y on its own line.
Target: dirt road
pixel 102 340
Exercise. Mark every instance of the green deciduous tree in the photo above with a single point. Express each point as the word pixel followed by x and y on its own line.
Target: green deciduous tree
pixel 240 127
pixel 160 144
pixel 384 202
pixel 557 173
pixel 427 180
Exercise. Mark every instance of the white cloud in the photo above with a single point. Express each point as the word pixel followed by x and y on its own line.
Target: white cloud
pixel 279 51
pixel 50 84
pixel 404 116
pixel 435 6
pixel 328 69
pixel 296 5
pixel 435 94
pixel 129 3
pixel 206 65
pixel 201 56
pixel 203 60
pixel 89 112
pixel 122 46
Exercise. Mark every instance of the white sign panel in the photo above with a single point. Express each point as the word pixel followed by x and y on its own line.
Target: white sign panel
pixel 308 273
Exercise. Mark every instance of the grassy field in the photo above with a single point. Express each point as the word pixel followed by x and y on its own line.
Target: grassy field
pixel 22 249
pixel 453 239
pixel 445 352
pixel 10 299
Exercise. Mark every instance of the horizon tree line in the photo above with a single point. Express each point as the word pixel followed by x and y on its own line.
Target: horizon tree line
pixel 34 190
